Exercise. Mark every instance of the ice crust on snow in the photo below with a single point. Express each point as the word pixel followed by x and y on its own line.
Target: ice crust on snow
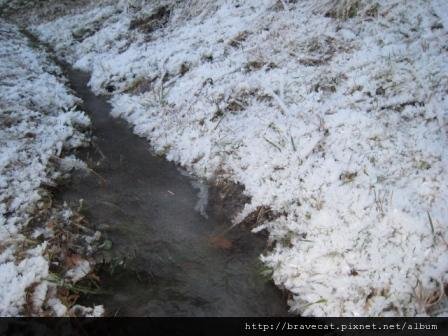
pixel 340 124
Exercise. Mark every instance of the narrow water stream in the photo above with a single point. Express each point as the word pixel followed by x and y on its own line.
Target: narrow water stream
pixel 146 208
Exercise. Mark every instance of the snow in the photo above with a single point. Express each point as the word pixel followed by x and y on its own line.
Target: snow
pixel 79 271
pixel 59 308
pixel 340 124
pixel 96 311
pixel 39 122
pixel 15 279
pixel 71 162
pixel 40 294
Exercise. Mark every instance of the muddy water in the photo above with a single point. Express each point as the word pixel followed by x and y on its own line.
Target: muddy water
pixel 148 209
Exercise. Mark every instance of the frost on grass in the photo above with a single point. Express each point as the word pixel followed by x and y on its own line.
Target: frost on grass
pixel 332 113
pixel 38 124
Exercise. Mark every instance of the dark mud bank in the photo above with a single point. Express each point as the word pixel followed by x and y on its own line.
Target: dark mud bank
pixel 165 257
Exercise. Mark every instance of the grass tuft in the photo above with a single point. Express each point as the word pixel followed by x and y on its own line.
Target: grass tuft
pixel 341 9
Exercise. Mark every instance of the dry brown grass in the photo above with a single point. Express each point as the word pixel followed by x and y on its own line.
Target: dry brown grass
pixel 340 9
pixel 429 299
pixel 66 247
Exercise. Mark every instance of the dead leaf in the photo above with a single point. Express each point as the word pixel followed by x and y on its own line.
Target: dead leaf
pixel 220 242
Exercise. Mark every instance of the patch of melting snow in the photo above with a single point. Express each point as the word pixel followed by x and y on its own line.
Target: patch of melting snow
pixel 201 205
pixel 202 188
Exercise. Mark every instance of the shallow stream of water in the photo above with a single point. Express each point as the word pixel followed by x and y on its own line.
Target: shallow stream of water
pixel 148 209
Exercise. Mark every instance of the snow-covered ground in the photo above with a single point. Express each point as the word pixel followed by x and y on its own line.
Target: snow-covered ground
pixel 331 113
pixel 38 124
